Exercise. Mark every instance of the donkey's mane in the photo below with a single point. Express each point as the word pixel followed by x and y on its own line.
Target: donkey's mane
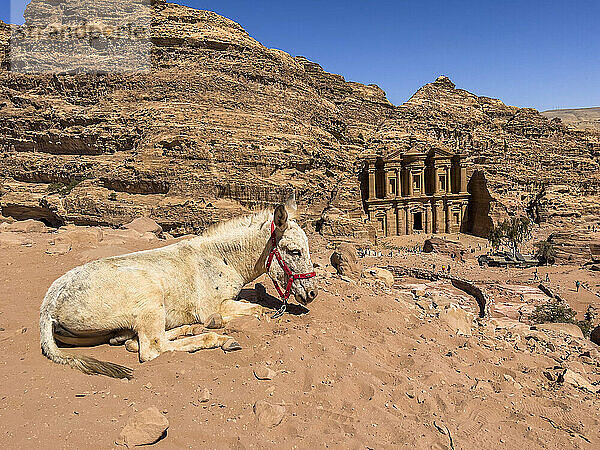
pixel 237 224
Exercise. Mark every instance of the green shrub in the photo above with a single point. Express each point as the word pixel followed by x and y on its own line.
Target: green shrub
pixel 554 311
pixel 62 189
pixel 557 311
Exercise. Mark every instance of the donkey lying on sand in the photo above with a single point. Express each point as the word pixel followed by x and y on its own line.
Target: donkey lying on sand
pixel 158 295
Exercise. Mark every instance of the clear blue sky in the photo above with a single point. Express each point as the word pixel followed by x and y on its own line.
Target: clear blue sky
pixel 543 54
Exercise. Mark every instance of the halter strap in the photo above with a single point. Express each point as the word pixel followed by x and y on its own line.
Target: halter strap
pixel 291 276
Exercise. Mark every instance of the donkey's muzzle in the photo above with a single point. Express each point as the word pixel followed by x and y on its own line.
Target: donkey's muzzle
pixel 311 295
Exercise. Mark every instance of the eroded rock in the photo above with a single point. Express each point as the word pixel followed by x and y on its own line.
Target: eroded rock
pixel 144 428
pixel 267 414
pixel 25 226
pixel 345 261
pixel 144 225
pixel 376 275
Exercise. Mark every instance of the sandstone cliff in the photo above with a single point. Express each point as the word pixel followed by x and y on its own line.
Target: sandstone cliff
pixel 221 124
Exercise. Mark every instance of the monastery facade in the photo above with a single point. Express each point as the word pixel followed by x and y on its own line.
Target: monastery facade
pixel 414 192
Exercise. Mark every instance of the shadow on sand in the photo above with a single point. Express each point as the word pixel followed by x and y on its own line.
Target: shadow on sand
pixel 260 296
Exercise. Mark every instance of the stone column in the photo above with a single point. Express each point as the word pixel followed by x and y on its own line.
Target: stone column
pixel 428 221
pixel 371 182
pixel 463 179
pixel 422 176
pixel 411 191
pixel 398 183
pixel 401 221
pixel 448 180
pixel 437 223
pixel 392 221
pixel 386 187
pixel 448 207
pixel 407 220
pixel 436 179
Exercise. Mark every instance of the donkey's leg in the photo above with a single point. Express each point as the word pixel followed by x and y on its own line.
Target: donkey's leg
pixel 132 345
pixel 230 309
pixel 185 330
pixel 203 341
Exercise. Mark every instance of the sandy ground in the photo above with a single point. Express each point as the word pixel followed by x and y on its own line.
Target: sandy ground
pixel 367 367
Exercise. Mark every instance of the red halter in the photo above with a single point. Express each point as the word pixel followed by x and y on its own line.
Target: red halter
pixel 291 276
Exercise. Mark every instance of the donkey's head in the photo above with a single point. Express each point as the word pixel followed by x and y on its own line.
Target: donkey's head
pixel 292 244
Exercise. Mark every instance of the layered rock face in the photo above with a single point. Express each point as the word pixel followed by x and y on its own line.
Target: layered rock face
pixel 222 124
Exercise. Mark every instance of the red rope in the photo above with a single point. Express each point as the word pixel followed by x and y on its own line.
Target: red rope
pixel 291 276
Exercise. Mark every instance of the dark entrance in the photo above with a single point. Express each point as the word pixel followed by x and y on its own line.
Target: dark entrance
pixel 418 221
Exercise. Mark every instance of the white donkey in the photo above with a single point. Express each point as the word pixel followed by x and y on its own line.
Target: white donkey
pixel 158 295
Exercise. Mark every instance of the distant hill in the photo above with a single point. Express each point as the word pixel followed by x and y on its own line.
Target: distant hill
pixel 583 118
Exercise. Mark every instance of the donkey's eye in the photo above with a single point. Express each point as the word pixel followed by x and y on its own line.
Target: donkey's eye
pixel 295 252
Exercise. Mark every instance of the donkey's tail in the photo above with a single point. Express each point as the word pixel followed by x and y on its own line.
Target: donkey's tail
pixel 86 364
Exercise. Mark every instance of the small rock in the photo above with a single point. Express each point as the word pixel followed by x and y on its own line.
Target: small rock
pixel 231 345
pixel 264 373
pixel 144 225
pixel 144 428
pixel 58 249
pixel 345 261
pixel 204 396
pixel 267 414
pixel 214 321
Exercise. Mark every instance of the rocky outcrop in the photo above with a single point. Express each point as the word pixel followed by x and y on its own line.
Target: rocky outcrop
pixel 242 124
pixel 345 261
pixel 573 247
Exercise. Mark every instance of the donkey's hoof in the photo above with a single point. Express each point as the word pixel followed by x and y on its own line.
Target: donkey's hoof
pixel 132 345
pixel 214 322
pixel 231 345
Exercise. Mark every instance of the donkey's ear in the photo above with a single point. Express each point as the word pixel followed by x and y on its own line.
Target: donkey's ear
pixel 290 205
pixel 280 217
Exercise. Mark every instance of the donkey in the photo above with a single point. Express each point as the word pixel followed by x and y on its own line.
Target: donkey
pixel 163 296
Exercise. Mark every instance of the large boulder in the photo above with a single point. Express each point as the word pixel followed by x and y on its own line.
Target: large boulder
pixel 144 225
pixel 25 226
pixel 458 319
pixel 443 246
pixel 144 428
pixel 345 260
pixel 377 275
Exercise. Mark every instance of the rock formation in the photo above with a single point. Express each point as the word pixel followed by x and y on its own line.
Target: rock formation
pixel 222 124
